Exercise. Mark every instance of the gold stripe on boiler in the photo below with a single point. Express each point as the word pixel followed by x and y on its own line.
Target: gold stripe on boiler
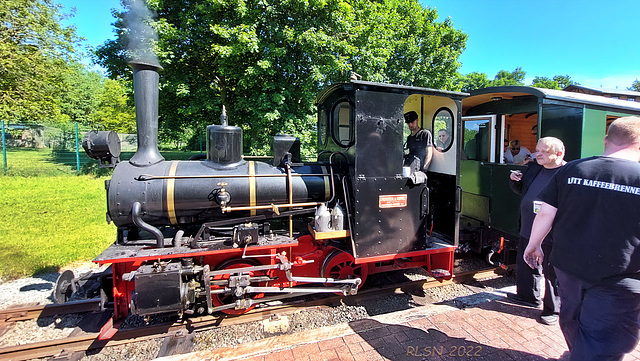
pixel 252 186
pixel 171 183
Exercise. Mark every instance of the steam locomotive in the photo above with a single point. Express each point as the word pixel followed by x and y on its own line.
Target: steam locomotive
pixel 226 233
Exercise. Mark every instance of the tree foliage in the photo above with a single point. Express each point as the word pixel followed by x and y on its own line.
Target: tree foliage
pixel 113 110
pixel 474 80
pixel 41 80
pixel 34 53
pixel 564 81
pixel 635 85
pixel 478 80
pixel 515 77
pixel 266 60
pixel 558 82
pixel 79 96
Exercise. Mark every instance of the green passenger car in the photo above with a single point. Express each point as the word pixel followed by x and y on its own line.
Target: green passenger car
pixel 492 116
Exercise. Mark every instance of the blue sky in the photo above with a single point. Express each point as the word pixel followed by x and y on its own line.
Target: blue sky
pixel 595 42
pixel 92 18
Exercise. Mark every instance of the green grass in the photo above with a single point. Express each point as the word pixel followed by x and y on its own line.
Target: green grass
pixel 51 222
pixel 29 162
pixel 50 216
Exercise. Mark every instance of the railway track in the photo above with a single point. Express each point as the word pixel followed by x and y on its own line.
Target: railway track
pixel 80 341
pixel 31 312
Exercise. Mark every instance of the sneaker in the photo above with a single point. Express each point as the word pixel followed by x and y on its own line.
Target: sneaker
pixel 513 297
pixel 548 320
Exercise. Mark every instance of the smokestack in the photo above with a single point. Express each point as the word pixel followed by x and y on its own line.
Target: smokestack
pixel 146 88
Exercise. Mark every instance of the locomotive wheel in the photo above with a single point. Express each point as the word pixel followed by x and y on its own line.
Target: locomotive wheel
pixel 63 289
pixel 341 265
pixel 220 299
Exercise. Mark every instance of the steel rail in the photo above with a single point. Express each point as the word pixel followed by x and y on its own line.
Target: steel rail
pixel 31 312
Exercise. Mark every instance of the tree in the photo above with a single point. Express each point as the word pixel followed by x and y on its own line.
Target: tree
pixel 504 77
pixel 544 82
pixel 266 60
pixel 474 80
pixel 477 80
pixel 34 52
pixel 558 82
pixel 635 85
pixel 79 96
pixel 114 112
pixel 563 81
pixel 401 42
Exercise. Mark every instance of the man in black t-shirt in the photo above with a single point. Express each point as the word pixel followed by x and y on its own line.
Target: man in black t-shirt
pixel 419 144
pixel 593 205
pixel 549 158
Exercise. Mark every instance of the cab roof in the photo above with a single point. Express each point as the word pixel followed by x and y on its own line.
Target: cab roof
pixel 385 87
pixel 487 95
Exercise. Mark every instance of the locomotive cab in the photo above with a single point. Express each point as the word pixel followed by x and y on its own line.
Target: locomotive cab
pixel 394 213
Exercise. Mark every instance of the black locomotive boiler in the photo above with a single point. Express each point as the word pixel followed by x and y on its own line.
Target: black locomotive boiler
pixel 225 233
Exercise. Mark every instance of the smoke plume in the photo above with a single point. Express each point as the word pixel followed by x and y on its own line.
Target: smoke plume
pixel 142 37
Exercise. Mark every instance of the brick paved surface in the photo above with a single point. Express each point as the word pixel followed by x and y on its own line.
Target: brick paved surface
pixel 495 330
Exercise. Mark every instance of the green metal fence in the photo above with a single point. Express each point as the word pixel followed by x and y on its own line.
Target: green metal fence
pixel 63 146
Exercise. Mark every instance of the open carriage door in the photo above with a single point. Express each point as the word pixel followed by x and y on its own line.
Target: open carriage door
pixel 484 178
pixel 477 148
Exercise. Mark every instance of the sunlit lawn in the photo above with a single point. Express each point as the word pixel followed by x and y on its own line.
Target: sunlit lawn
pixel 50 216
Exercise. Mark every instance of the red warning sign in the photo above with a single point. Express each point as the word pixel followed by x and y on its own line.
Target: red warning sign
pixel 392 201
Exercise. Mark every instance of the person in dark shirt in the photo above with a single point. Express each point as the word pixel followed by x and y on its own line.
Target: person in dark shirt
pixel 593 205
pixel 419 144
pixel 549 158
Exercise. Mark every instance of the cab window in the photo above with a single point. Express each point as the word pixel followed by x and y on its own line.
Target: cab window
pixel 443 129
pixel 322 126
pixel 342 123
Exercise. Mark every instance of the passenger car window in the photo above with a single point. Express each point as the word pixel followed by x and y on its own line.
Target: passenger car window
pixel 476 139
pixel 443 129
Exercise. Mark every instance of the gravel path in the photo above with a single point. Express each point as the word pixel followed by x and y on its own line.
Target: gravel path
pixel 37 290
pixel 28 290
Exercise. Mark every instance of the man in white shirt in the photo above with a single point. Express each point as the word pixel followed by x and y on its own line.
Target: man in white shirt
pixel 520 154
